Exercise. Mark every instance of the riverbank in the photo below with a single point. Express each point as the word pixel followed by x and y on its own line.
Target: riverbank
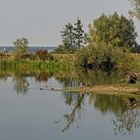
pixel 107 89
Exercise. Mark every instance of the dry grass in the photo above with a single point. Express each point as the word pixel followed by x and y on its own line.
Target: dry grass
pixel 106 89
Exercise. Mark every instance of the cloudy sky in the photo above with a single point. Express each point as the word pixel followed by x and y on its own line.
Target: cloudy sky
pixel 42 20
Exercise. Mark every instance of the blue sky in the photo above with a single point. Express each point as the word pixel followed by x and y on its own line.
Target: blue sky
pixel 42 20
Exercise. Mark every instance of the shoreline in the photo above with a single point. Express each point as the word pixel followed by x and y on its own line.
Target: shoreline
pixel 106 89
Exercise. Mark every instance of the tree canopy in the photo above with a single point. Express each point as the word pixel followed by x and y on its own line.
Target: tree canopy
pixel 135 8
pixel 114 29
pixel 109 41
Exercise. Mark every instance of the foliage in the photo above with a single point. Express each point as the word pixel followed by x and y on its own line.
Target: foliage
pixel 21 47
pixel 113 29
pixel 79 34
pixel 103 56
pixel 73 38
pixel 68 38
pixel 65 61
pixel 136 8
pixel 61 49
pixel 42 54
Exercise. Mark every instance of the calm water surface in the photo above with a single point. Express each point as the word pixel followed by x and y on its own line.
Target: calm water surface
pixel 28 113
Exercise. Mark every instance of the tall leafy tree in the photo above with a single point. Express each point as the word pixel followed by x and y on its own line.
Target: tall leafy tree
pixel 114 29
pixel 135 8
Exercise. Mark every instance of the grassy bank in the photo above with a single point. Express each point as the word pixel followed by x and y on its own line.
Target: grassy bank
pixel 60 61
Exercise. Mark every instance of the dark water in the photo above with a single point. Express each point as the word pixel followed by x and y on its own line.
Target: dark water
pixel 28 113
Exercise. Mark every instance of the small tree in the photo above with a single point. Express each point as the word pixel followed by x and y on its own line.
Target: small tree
pixel 21 47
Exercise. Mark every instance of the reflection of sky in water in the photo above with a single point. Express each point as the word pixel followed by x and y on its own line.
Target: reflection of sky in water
pixel 31 116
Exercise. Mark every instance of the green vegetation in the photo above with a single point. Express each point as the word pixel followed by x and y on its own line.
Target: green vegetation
pixel 21 48
pixel 136 8
pixel 104 56
pixel 110 42
pixel 42 55
pixel 73 38
pixel 114 29
pixel 107 46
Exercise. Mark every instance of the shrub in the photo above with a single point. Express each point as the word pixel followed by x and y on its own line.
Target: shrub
pixel 103 56
pixel 42 54
pixel 21 48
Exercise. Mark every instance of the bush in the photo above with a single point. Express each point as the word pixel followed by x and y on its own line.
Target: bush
pixel 42 54
pixel 103 56
pixel 21 48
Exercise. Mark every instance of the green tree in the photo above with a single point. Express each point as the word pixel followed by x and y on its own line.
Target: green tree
pixel 21 46
pixel 114 29
pixel 136 8
pixel 73 38
pixel 79 34
pixel 68 38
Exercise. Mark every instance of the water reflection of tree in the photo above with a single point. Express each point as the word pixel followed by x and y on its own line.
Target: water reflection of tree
pixel 90 78
pixel 76 102
pixel 126 117
pixel 67 78
pixel 68 81
pixel 21 83
pixel 43 76
pixel 3 76
pixel 3 73
pixel 124 113
pixel 107 103
pixel 126 122
pixel 97 77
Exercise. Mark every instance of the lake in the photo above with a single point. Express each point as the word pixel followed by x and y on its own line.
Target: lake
pixel 38 112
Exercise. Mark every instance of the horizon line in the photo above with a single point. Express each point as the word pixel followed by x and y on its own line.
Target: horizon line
pixel 31 46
